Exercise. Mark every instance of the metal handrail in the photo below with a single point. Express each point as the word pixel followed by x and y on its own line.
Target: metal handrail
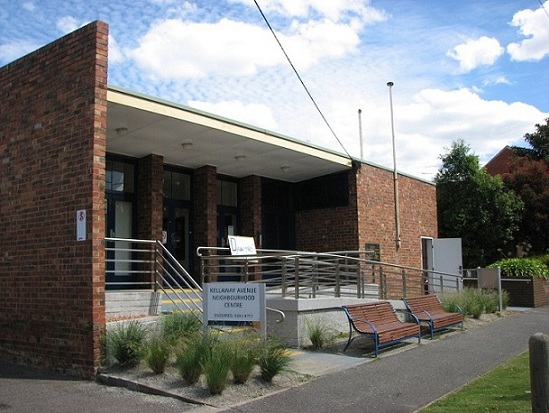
pixel 165 271
pixel 311 274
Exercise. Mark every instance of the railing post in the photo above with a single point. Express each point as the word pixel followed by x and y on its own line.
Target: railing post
pixel 441 284
pixel 246 275
pixel 404 283
pixel 337 280
pixel 296 276
pixel 284 277
pixel 382 281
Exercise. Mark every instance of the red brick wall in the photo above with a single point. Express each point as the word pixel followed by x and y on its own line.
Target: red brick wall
pixel 370 217
pixel 329 229
pixel 52 163
pixel 418 214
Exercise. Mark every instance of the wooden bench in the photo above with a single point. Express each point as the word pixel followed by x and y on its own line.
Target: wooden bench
pixel 428 310
pixel 379 321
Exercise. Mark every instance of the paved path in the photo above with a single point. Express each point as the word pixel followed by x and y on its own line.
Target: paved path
pixel 387 384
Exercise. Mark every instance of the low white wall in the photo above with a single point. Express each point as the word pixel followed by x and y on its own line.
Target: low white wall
pixel 130 303
pixel 293 330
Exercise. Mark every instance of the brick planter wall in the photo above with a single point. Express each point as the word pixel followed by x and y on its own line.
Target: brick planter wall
pixel 52 163
pixel 527 291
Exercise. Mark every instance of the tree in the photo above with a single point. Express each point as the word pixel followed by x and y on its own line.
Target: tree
pixel 528 176
pixel 474 206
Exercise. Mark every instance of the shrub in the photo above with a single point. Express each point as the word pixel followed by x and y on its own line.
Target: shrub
pixel 125 343
pixel 178 326
pixel 522 267
pixel 190 359
pixel 319 333
pixel 217 366
pixel 157 353
pixel 274 358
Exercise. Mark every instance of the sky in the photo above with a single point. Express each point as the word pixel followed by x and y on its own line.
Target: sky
pixel 476 70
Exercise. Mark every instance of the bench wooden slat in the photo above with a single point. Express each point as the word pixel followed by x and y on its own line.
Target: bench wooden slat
pixel 429 310
pixel 378 320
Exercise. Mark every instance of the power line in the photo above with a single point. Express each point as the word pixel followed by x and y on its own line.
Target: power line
pixel 301 80
pixel 543 7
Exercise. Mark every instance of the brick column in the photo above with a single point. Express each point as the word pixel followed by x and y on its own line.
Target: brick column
pixel 205 209
pixel 150 197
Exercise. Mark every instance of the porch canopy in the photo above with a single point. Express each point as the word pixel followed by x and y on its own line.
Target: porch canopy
pixel 138 126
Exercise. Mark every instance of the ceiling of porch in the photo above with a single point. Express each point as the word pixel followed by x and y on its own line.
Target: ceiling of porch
pixel 138 126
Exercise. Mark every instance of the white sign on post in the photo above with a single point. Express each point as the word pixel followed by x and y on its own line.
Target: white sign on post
pixel 233 301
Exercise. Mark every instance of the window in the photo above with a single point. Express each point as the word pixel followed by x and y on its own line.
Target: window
pixel 227 193
pixel 177 185
pixel 119 177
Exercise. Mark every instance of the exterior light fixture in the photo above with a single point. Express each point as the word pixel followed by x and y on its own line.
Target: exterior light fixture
pixel 239 158
pixel 187 145
pixel 285 168
pixel 121 131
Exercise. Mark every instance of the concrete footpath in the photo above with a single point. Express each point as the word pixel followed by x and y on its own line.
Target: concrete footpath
pixel 401 380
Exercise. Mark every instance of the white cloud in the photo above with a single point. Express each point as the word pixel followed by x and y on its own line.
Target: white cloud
pixel 483 51
pixel 176 49
pixel 533 24
pixel 335 10
pixel 115 52
pixel 67 24
pixel 16 49
pixel 29 6
pixel 253 114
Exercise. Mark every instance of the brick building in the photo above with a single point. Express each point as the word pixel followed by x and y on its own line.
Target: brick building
pixel 143 168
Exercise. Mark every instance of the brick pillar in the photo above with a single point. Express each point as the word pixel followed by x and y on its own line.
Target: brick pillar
pixel 205 209
pixel 150 203
pixel 150 197
pixel 249 198
pixel 250 207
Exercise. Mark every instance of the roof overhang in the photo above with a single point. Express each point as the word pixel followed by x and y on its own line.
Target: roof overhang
pixel 138 126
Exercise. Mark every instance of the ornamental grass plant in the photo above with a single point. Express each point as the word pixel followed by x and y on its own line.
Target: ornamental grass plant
pixel 274 358
pixel 474 302
pixel 125 343
pixel 191 357
pixel 244 358
pixel 157 354
pixel 217 366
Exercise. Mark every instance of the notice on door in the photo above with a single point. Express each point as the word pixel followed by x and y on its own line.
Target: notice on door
pixel 228 301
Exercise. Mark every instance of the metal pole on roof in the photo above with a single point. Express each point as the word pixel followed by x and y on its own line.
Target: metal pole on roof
pixel 360 133
pixel 395 172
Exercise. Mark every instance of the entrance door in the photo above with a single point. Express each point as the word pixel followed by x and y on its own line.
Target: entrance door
pixel 176 227
pixel 119 224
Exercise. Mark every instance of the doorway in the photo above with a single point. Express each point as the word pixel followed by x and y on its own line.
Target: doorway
pixel 176 231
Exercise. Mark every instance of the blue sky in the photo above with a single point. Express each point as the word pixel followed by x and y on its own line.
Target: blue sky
pixel 476 70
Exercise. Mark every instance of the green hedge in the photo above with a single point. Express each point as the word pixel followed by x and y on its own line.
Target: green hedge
pixel 523 267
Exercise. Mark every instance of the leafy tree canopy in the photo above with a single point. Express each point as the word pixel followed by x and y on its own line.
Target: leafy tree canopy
pixel 474 206
pixel 528 176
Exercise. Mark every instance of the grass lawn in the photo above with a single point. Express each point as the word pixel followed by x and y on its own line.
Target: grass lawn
pixel 504 389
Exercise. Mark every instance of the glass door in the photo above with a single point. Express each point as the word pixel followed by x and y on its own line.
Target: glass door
pixel 119 224
pixel 176 231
